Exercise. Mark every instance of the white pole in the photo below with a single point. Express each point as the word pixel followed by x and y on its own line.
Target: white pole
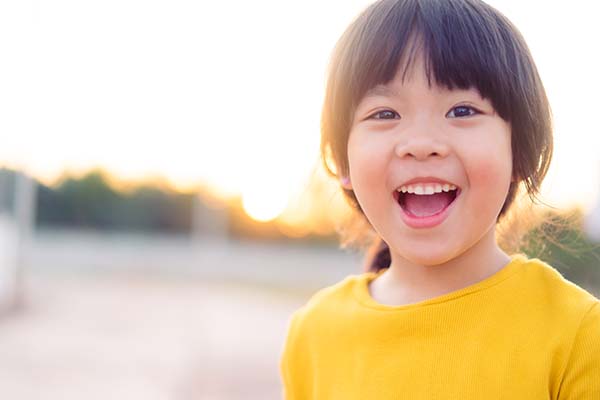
pixel 25 202
pixel 592 224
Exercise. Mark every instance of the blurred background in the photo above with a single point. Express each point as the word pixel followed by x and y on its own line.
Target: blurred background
pixel 162 206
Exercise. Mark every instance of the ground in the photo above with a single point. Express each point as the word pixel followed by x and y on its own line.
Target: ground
pixel 154 318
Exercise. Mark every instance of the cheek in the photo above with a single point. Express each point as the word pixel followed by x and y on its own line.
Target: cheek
pixel 490 174
pixel 491 161
pixel 491 170
pixel 365 160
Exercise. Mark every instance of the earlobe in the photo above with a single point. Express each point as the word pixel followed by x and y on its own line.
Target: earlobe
pixel 345 182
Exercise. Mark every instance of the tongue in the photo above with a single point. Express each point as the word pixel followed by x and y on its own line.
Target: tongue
pixel 426 205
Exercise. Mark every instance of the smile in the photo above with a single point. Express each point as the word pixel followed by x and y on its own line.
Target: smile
pixel 425 206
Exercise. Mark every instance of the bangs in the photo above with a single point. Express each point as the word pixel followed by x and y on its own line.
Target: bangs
pixel 464 45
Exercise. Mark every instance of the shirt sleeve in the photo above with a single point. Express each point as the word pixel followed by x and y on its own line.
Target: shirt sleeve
pixel 581 379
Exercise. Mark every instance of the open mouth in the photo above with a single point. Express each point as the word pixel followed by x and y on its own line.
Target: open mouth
pixel 426 204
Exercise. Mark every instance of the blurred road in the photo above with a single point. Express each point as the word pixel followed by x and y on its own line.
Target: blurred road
pixel 130 317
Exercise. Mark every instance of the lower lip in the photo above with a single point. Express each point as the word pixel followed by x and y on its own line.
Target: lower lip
pixel 430 221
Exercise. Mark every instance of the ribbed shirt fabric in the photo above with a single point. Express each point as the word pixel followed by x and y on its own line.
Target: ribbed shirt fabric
pixel 523 333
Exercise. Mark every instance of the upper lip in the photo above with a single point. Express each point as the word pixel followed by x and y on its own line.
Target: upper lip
pixel 426 179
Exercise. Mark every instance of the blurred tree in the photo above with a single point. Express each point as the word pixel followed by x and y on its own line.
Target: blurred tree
pixel 561 242
pixel 91 202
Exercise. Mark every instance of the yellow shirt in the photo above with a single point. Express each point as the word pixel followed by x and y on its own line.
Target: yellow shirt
pixel 522 333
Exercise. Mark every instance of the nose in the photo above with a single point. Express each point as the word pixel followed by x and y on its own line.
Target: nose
pixel 421 147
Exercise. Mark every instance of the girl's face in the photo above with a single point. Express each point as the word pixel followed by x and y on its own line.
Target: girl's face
pixel 411 137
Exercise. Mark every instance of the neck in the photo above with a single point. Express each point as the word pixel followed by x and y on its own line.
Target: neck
pixel 407 282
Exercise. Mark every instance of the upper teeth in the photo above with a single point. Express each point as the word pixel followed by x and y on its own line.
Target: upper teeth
pixel 427 189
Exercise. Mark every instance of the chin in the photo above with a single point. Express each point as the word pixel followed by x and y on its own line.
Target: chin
pixel 426 258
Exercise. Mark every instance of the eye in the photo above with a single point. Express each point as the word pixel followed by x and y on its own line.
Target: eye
pixel 461 111
pixel 384 114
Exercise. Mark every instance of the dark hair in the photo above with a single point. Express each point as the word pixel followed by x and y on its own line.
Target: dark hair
pixel 465 44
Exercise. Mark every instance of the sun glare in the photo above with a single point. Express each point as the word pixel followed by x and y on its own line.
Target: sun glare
pixel 262 203
pixel 174 103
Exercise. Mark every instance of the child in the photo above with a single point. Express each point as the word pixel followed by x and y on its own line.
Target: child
pixel 434 115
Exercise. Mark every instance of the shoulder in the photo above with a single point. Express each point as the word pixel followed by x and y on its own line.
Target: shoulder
pixel 546 285
pixel 330 302
pixel 308 323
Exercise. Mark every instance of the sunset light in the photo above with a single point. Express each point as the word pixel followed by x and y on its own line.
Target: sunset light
pixel 198 95
pixel 263 204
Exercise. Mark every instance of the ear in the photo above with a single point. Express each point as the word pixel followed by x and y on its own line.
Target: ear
pixel 345 182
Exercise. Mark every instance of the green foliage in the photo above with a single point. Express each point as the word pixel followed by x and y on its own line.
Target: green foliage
pixel 560 241
pixel 90 202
